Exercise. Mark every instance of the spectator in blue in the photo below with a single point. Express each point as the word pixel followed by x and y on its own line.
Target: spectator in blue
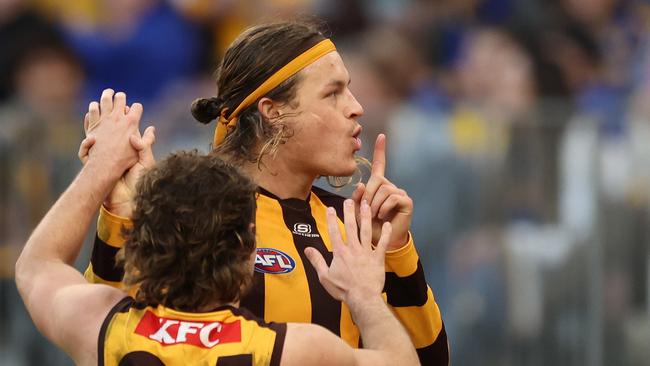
pixel 141 46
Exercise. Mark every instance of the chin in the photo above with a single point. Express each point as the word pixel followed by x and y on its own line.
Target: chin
pixel 344 171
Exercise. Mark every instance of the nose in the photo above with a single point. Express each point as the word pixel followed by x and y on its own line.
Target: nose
pixel 354 108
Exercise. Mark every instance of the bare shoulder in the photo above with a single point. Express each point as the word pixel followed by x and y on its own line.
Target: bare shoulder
pixel 311 344
pixel 78 313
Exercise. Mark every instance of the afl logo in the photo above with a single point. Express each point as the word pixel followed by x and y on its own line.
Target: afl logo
pixel 273 261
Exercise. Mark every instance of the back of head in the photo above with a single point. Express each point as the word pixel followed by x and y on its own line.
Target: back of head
pixel 250 60
pixel 192 238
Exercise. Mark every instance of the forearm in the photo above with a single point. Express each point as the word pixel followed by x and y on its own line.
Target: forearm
pixel 381 331
pixel 59 236
pixel 413 303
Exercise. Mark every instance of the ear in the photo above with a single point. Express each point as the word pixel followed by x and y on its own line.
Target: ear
pixel 269 109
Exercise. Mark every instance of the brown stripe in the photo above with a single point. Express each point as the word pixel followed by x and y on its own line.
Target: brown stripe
pixel 406 291
pixel 140 358
pixel 246 314
pixel 237 360
pixel 279 328
pixel 121 306
pixel 436 354
pixel 254 299
pixel 278 345
pixel 103 261
pixel 325 310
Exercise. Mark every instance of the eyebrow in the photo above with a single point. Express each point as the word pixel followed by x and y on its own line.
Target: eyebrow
pixel 338 83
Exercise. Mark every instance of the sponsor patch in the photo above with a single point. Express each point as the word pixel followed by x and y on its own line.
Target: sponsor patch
pixel 304 230
pixel 168 331
pixel 273 261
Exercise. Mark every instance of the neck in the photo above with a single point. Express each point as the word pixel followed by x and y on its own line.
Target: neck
pixel 210 308
pixel 276 177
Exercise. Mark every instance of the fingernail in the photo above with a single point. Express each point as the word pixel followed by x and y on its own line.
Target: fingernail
pixel 364 203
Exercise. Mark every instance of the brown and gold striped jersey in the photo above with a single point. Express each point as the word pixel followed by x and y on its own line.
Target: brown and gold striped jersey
pixel 134 334
pixel 287 289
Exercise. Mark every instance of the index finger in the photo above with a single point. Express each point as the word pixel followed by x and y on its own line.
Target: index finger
pixel 333 230
pixel 379 156
pixel 350 222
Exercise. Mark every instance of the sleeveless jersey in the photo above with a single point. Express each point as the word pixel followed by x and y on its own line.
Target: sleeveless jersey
pixel 133 334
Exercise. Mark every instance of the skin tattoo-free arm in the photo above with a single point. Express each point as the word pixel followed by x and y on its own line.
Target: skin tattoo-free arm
pixel 65 308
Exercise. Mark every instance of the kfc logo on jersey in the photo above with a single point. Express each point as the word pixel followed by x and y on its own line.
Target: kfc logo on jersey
pixel 304 230
pixel 273 261
pixel 167 331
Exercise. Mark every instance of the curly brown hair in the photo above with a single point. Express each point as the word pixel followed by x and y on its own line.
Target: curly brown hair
pixel 193 236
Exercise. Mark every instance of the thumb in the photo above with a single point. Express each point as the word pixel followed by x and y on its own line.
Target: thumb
pixel 322 269
pixel 149 137
pixel 317 261
pixel 358 194
pixel 143 146
pixel 84 148
pixel 382 246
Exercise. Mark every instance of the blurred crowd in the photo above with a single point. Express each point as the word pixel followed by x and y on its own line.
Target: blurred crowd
pixel 520 128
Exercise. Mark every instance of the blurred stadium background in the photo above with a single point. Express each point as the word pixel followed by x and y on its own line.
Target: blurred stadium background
pixel 521 128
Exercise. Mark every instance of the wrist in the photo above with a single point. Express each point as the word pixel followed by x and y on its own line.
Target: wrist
pixel 100 173
pixel 399 243
pixel 361 306
pixel 358 300
pixel 124 209
pixel 403 261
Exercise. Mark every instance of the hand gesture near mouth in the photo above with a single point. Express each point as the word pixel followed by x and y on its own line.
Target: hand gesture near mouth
pixel 388 203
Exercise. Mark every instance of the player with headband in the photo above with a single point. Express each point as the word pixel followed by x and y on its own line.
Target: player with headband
pixel 286 116
pixel 190 270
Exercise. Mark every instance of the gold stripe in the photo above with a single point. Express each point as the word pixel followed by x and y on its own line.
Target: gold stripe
pixel 91 277
pixel 109 228
pixel 286 295
pixel 304 59
pixel 403 261
pixel 423 323
pixel 349 331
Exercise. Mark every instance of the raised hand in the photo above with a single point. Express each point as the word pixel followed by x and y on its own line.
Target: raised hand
pixel 113 149
pixel 119 201
pixel 357 271
pixel 388 203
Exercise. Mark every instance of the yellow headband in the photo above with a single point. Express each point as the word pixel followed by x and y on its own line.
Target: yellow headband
pixel 226 123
